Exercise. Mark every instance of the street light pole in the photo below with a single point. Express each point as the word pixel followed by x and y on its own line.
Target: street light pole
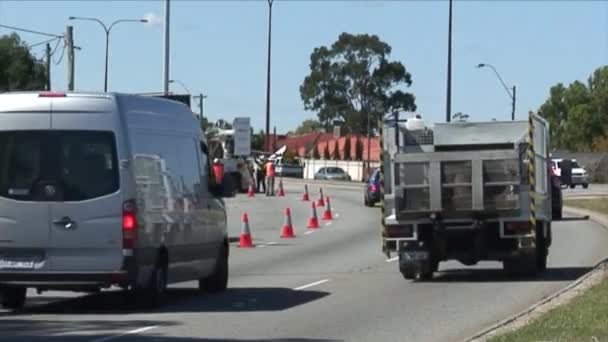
pixel 268 76
pixel 511 94
pixel 107 30
pixel 181 84
pixel 448 109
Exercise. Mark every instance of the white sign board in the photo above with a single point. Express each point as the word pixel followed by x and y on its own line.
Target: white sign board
pixel 242 137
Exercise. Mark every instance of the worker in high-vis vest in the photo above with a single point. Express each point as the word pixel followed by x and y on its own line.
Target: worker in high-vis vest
pixel 269 178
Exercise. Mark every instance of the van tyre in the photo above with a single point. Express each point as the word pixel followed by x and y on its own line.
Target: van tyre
pixel 409 271
pixel 218 280
pixel 585 186
pixel 153 293
pixel 13 298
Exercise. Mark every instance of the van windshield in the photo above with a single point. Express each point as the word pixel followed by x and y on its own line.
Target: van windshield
pixel 57 165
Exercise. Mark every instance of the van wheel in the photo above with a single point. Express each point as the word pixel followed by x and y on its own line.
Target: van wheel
pixel 153 294
pixel 13 298
pixel 218 280
pixel 585 186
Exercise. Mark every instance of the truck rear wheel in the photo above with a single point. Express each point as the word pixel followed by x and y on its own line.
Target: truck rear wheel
pixel 408 270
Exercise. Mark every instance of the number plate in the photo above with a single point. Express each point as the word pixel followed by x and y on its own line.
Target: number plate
pixel 415 255
pixel 17 264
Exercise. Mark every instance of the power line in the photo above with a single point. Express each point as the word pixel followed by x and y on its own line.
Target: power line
pixel 62 54
pixel 42 43
pixel 30 31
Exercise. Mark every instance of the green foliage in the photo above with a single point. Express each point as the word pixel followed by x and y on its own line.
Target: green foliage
pixel 336 152
pixel 347 149
pixel 354 78
pixel 257 141
pixel 315 152
pixel 308 126
pixel 578 114
pixel 326 154
pixel 19 69
pixel 359 149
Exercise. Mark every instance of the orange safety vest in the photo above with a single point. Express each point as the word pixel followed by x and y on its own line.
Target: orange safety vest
pixel 270 169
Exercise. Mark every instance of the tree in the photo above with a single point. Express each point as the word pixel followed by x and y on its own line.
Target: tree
pixel 578 114
pixel 326 154
pixel 359 149
pixel 460 117
pixel 347 149
pixel 308 126
pixel 19 69
pixel 336 154
pixel 354 78
pixel 315 152
pixel 257 141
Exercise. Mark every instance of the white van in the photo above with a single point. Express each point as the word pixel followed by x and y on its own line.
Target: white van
pixel 100 190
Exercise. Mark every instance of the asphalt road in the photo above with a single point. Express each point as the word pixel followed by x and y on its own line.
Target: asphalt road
pixel 330 285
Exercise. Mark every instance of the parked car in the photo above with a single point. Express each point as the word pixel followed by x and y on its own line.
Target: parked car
pixel 332 173
pixel 101 190
pixel 579 174
pixel 371 193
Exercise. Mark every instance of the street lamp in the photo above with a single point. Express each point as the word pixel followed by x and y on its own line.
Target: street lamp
pixel 107 29
pixel 268 76
pixel 511 94
pixel 181 84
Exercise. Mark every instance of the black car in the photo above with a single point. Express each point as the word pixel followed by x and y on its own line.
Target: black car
pixel 371 193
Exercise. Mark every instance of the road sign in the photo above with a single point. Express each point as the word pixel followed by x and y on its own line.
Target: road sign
pixel 242 137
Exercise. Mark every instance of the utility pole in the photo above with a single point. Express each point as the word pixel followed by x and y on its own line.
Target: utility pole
pixel 201 97
pixel 166 55
pixel 70 46
pixel 513 110
pixel 268 76
pixel 448 110
pixel 48 66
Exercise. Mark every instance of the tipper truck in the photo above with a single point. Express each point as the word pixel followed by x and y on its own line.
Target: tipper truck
pixel 466 191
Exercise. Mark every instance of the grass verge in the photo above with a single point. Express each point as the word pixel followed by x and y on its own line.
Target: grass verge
pixel 585 318
pixel 599 205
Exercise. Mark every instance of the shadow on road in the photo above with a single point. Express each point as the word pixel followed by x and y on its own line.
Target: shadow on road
pixel 483 275
pixel 182 300
pixel 577 218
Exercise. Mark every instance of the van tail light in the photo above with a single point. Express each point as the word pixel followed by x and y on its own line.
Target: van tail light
pixel 129 224
pixel 517 227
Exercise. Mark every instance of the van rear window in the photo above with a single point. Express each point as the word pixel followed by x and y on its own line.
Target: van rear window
pixel 57 165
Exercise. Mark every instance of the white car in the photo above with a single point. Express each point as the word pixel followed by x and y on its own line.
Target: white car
pixel 579 174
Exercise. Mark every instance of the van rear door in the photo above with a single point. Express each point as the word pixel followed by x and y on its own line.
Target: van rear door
pixel 24 219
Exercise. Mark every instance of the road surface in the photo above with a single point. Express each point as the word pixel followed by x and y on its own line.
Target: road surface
pixel 330 285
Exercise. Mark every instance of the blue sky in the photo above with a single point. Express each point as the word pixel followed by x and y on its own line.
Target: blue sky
pixel 219 48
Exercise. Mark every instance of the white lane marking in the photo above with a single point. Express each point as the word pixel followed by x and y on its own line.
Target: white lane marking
pixel 337 215
pixel 392 259
pixel 131 332
pixel 328 223
pixel 309 232
pixel 311 284
pixel 271 243
pixel 262 246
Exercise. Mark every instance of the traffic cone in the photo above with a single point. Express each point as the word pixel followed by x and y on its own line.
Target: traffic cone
pixel 287 230
pixel 313 221
pixel 280 191
pixel 321 201
pixel 305 197
pixel 245 238
pixel 327 213
pixel 250 192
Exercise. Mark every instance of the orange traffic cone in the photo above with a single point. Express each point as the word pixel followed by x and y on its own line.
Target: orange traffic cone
pixel 245 239
pixel 305 197
pixel 250 192
pixel 280 191
pixel 287 230
pixel 327 213
pixel 321 201
pixel 313 221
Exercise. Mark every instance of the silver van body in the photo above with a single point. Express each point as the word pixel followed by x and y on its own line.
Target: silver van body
pixel 101 189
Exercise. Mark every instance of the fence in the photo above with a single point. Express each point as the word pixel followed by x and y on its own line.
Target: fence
pixel 355 169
